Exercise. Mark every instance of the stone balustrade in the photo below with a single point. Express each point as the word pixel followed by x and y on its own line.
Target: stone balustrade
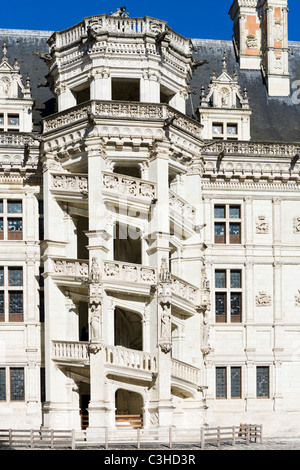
pixel 131 358
pixel 182 207
pixel 73 351
pixel 119 25
pixel 70 268
pixel 186 372
pixel 121 271
pixel 119 356
pixel 252 148
pixel 128 186
pixel 69 182
pixel 185 290
pixel 122 110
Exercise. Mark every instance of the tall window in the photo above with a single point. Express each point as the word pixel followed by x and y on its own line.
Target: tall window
pixel 228 295
pixel 11 219
pixel 11 294
pixel 228 382
pixel 262 382
pixel 227 224
pixel 17 389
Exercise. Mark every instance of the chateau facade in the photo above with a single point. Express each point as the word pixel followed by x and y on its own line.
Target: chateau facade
pixel 150 227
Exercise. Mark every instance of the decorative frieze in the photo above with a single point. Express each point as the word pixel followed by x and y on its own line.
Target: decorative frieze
pixel 128 186
pixel 66 182
pixel 121 271
pixel 296 225
pixel 70 268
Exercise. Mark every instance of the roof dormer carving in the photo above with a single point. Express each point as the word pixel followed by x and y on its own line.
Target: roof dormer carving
pixel 11 85
pixel 224 91
pixel 225 108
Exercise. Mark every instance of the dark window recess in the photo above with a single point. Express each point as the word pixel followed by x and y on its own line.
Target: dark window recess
pixel 43 385
pixel 221 391
pixel 1 228
pixel 124 89
pixel 236 382
pixel 2 384
pixel 262 382
pixel 17 391
pixel 82 95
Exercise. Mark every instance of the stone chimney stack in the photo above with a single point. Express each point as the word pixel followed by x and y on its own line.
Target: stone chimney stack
pixel 261 40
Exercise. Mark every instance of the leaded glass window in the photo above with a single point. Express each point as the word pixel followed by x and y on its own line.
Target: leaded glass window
pixel 236 376
pixel 227 231
pixel 221 389
pixel 262 382
pixel 14 207
pixel 15 276
pixel 17 392
pixel 228 295
pixel 2 303
pixel 2 384
pixel 15 302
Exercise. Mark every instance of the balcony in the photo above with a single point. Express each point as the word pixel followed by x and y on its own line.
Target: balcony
pixel 69 187
pixel 126 277
pixel 122 361
pixel 121 190
pixel 127 112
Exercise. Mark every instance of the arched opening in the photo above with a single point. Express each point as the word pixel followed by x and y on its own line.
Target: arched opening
pixel 128 329
pixel 129 409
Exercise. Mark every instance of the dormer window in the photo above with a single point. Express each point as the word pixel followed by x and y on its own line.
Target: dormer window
pixel 226 131
pixel 9 122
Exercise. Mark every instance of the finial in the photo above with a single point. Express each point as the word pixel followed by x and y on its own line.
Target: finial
pixel 224 61
pixel 4 47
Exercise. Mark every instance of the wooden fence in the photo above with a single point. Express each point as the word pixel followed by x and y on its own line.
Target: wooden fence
pixel 244 433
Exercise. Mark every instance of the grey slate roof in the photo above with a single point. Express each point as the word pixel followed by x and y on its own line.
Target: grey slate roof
pixel 273 119
pixel 20 45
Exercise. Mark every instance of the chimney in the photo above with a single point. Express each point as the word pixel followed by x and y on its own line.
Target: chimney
pixel 261 40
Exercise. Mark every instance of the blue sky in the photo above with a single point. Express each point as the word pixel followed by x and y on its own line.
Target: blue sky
pixel 195 19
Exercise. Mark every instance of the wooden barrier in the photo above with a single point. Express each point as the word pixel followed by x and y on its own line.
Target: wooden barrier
pixel 132 435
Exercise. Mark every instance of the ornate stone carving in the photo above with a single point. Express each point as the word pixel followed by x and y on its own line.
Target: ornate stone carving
pixel 297 299
pixel 263 299
pixel 297 225
pixel 262 226
pixel 251 41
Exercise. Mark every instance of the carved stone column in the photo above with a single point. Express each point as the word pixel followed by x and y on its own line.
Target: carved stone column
pixel 164 299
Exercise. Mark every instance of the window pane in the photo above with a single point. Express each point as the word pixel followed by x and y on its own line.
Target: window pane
pixel 17 384
pixel 234 233
pixel 217 129
pixel 220 303
pixel 13 119
pixel 15 276
pixel 1 302
pixel 235 382
pixel 221 382
pixel 1 120
pixel 219 212
pixel 234 212
pixel 1 205
pixel 14 207
pixel 262 382
pixel 15 225
pixel 236 306
pixel 220 279
pixel 232 129
pixel 1 276
pixel 235 279
pixel 1 225
pixel 2 385
pixel 16 302
pixel 219 233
